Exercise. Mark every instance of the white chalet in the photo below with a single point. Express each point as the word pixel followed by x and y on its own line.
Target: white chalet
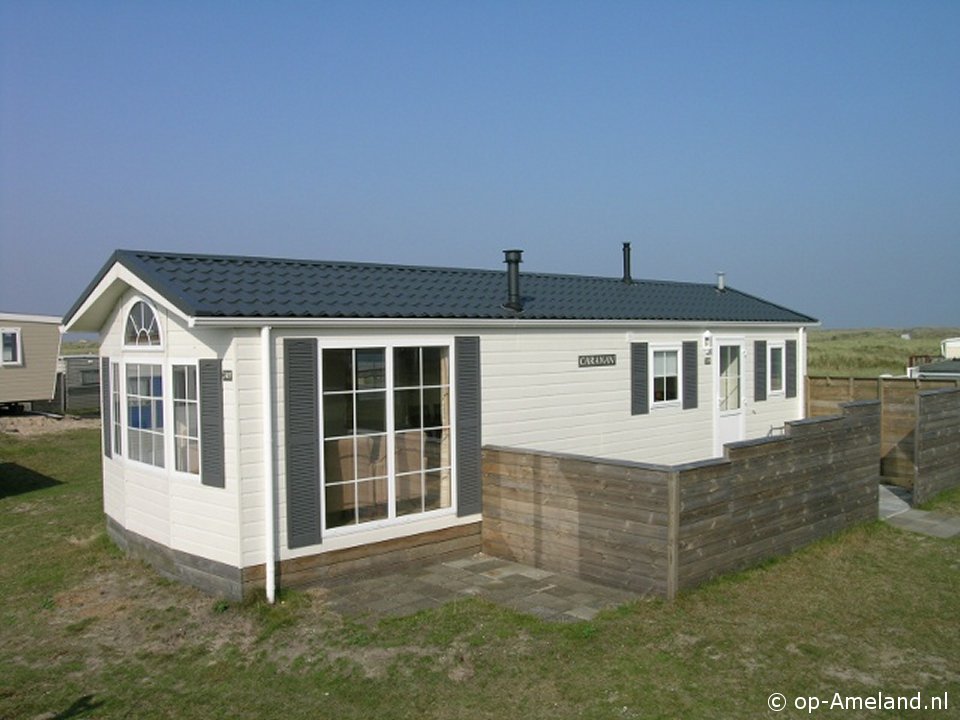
pixel 271 421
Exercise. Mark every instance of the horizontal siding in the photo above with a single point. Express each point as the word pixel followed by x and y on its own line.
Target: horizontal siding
pixel 36 378
pixel 536 396
pixel 147 503
pixel 114 500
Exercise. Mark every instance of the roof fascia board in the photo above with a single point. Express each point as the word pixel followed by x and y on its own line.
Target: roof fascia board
pixel 91 314
pixel 18 317
pixel 241 322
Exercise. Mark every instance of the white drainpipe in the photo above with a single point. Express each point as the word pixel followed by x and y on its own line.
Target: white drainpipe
pixel 266 400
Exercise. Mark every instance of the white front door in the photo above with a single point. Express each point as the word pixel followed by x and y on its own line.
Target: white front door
pixel 729 390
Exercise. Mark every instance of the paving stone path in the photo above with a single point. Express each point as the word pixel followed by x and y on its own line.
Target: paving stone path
pixel 547 595
pixel 895 509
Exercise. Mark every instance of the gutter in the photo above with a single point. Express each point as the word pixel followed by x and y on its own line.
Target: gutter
pixel 385 322
pixel 269 481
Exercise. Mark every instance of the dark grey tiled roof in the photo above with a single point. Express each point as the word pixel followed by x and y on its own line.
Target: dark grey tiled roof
pixel 225 286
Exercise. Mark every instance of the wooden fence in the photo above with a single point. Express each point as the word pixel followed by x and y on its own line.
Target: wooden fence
pixel 659 529
pixel 898 398
pixel 937 443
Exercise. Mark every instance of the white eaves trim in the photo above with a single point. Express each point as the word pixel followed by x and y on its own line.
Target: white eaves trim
pixel 18 318
pixel 473 323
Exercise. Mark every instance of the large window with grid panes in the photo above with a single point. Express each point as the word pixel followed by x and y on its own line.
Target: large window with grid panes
pixel 386 433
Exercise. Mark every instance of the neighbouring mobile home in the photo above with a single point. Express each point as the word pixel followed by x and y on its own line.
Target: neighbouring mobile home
pixel 28 367
pixel 285 421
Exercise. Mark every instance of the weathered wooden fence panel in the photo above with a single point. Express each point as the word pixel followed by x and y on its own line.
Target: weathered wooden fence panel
pixel 770 497
pixel 601 520
pixel 937 443
pixel 897 396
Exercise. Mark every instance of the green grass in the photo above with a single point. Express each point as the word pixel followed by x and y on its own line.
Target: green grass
pixel 86 633
pixel 870 352
pixel 947 503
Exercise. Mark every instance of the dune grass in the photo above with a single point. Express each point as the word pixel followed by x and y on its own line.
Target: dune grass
pixel 870 352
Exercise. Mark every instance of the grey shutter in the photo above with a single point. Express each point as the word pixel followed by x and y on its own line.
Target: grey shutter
pixel 690 363
pixel 210 381
pixel 639 379
pixel 302 441
pixel 105 406
pixel 469 460
pixel 760 370
pixel 791 362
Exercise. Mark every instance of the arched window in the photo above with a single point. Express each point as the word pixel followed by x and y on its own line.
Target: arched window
pixel 142 330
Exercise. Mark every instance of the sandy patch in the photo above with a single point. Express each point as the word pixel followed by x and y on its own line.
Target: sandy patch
pixel 28 425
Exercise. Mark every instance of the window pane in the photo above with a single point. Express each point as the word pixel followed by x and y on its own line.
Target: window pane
pixel 408 451
pixel 337 415
pixel 436 448
pixel 340 503
pixel 406 409
pixel 372 499
pixel 406 367
pixel 409 494
pixel 337 370
pixel 158 414
pixel 371 456
pixel 436 489
pixel 434 407
pixel 10 353
pixel 371 369
pixel 776 369
pixel 179 382
pixel 338 460
pixel 180 422
pixel 435 366
pixel 659 364
pixel 670 360
pixel 670 387
pixel 371 412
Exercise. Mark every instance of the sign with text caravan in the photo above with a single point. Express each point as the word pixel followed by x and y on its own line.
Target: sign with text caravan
pixel 585 361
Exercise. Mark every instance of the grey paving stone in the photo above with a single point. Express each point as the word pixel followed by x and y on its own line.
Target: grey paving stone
pixel 583 613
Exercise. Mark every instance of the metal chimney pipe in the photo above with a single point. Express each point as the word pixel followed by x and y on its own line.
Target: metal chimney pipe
pixel 513 259
pixel 626 264
pixel 721 281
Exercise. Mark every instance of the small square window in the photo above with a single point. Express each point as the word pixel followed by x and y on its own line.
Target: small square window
pixel 666 376
pixel 12 354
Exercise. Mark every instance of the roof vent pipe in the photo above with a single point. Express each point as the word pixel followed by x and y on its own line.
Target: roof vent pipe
pixel 626 264
pixel 513 259
pixel 721 281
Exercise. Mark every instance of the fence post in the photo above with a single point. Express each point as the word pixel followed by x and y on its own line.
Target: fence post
pixel 673 533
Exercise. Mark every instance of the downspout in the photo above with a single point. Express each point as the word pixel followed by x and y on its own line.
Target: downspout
pixel 266 401
pixel 802 376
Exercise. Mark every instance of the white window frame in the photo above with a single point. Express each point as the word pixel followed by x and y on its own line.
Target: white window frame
pixel 191 363
pixel 677 349
pixel 126 318
pixel 392 520
pixel 164 392
pixel 117 406
pixel 781 346
pixel 18 360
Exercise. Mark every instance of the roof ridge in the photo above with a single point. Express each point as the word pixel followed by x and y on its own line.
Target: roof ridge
pixel 398 266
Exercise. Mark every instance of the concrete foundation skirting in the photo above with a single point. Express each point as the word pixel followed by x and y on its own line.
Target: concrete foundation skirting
pixel 335 567
pixel 212 577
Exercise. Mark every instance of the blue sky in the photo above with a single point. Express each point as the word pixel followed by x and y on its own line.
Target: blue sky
pixel 811 150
